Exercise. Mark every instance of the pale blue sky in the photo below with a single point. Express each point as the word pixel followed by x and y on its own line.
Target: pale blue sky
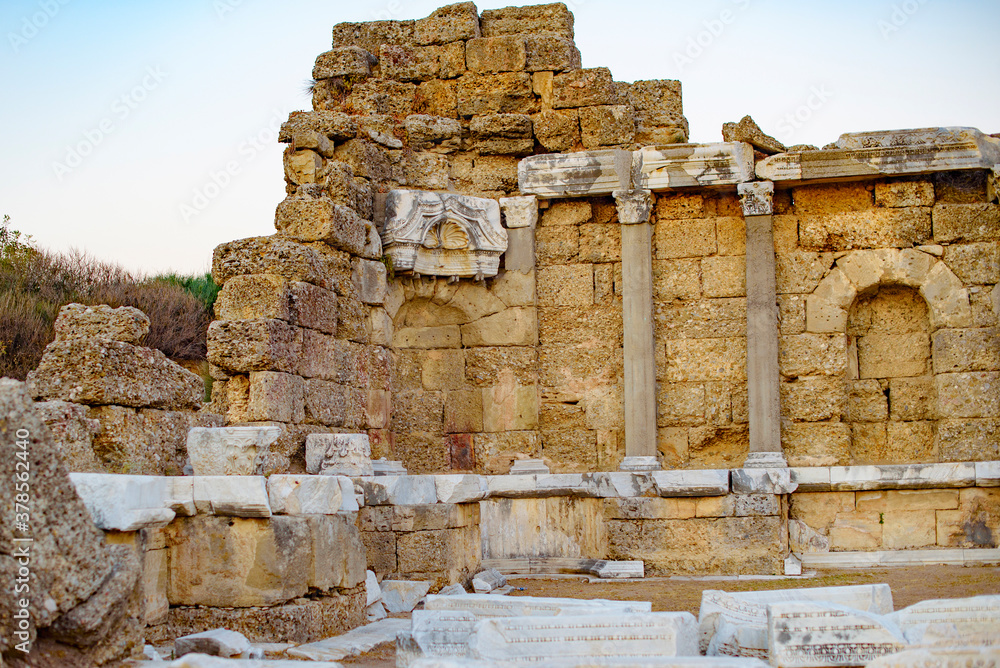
pixel 159 96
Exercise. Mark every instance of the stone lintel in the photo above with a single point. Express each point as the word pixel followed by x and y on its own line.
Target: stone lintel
pixel 581 174
pixel 692 165
pixel 756 198
pixel 885 476
pixel 886 153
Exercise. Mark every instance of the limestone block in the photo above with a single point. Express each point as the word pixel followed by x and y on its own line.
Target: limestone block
pixel 448 336
pixel 705 359
pixel 496 54
pixel 966 222
pixel 345 61
pixel 674 238
pixel 974 263
pixel 369 278
pixel 448 24
pixel 502 134
pixel 676 279
pixel 336 555
pixel 218 561
pixel 724 276
pixel 548 53
pixel 512 327
pixel 433 133
pixel 947 299
pixel 968 440
pixel 583 88
pixel 884 355
pixel 217 642
pixel 867 402
pixel 488 580
pixel 254 345
pixel 557 245
pixel 803 538
pixel 272 255
pixel 575 174
pixel 322 220
pixel 706 318
pixel 748 131
pixel 99 371
pixel 872 228
pixel 825 634
pixel 600 243
pixel 966 350
pixel 656 97
pixel 892 152
pixel 691 165
pixel 484 366
pixel 509 407
pixel 304 494
pixel 817 443
pixel 126 324
pixel 445 554
pixel 421 63
pixel 912 398
pixel 567 285
pixel 553 19
pixel 500 93
pixel 814 399
pixel 446 235
pixel 975 394
pixel 74 431
pixel 338 454
pixel 607 125
pixel 904 193
pixel 229 450
pixel 557 130
pixel 541 640
pixel 463 411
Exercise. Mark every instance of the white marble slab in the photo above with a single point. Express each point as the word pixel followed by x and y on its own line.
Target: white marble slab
pixel 579 174
pixel 987 474
pixel 403 595
pixel 305 494
pixel 231 495
pixel 704 482
pixel 230 450
pixel 804 634
pixel 354 642
pixel 460 488
pixel 954 620
pixel 534 641
pixel 673 166
pixel 486 606
pixel 404 490
pixel 763 481
pixel 125 502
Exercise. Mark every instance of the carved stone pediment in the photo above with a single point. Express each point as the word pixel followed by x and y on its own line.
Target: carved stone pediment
pixel 441 234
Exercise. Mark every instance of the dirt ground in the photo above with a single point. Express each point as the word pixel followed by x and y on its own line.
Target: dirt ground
pixel 909 586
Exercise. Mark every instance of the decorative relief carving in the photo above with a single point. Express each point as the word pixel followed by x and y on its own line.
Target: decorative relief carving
pixel 339 454
pixel 230 450
pixel 441 234
pixel 756 198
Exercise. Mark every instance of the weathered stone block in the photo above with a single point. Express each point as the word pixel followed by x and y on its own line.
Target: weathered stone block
pixel 557 130
pixel 705 359
pixel 674 238
pixel 448 336
pixel 502 134
pixel 814 399
pixel 607 125
pixel 893 355
pixel 975 394
pixel 99 371
pixel 856 532
pixel 126 324
pixel 968 440
pixel 548 53
pixel 448 24
pixel 912 398
pixel 511 327
pixel 702 319
pixel 724 276
pixel 974 263
pixel 676 279
pixel 485 365
pixel 871 228
pixel 420 63
pixel 966 350
pixel 272 255
pixel 816 443
pixel 568 285
pixel 557 245
pixel 509 407
pixel 904 193
pixel 345 61
pixel 584 88
pixel 254 345
pixel 450 554
pixel 799 272
pixel 275 396
pixel 433 133
pixel 553 19
pixel 600 242
pixel 867 402
pixel 502 93
pixel 371 34
pixel 495 54
pixel 332 124
pixel 966 222
pixel 463 411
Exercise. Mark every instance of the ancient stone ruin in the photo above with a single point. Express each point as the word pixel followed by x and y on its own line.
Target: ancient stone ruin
pixel 510 319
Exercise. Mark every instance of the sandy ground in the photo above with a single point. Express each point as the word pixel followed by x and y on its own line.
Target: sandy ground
pixel 909 586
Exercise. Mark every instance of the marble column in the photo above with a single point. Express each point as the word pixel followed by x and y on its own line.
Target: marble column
pixel 634 208
pixel 762 328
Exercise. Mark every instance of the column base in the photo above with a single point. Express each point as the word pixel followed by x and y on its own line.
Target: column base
pixel 765 460
pixel 644 463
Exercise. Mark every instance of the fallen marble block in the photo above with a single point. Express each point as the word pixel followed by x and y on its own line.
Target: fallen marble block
pixel 452 590
pixel 125 502
pixel 486 581
pixel 619 570
pixel 306 494
pixel 805 634
pixel 950 620
pixel 437 634
pixel 230 450
pixel 206 661
pixel 372 589
pixel 354 642
pixel 403 595
pixel 486 606
pixel 376 611
pixel 339 454
pixel 735 623
pixel 943 657
pixel 536 641
pixel 232 496
pixel 217 642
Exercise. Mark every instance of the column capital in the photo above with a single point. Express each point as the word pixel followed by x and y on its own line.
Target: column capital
pixel 634 206
pixel 520 211
pixel 756 198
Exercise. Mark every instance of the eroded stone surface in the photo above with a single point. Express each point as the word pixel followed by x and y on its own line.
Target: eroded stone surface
pixel 339 454
pixel 230 450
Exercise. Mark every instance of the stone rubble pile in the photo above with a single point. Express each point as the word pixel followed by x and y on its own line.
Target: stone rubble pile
pixel 114 405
